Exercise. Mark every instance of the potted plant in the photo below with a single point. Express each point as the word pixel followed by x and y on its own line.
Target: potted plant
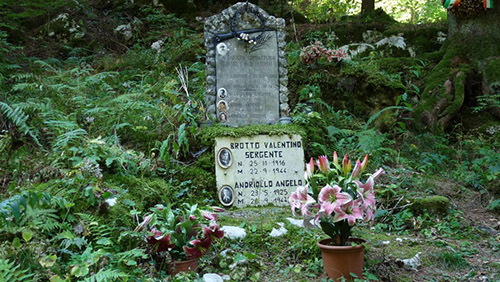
pixel 180 236
pixel 335 198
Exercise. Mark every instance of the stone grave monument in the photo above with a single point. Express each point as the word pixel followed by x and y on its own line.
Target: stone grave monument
pixel 246 66
pixel 247 84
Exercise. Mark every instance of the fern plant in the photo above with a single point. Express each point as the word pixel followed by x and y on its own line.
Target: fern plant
pixel 11 272
pixel 17 117
pixel 105 275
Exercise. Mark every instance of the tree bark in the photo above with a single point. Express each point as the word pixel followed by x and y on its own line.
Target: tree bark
pixel 367 6
pixel 470 68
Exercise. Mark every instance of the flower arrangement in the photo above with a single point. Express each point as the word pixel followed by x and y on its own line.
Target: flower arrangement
pixel 182 233
pixel 334 196
pixel 312 53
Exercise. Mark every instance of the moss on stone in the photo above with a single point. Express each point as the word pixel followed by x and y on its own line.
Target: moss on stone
pixel 492 70
pixel 432 204
pixel 202 180
pixel 145 192
pixel 208 134
pixel 458 99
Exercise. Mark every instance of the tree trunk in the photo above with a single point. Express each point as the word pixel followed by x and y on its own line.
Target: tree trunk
pixel 367 6
pixel 469 69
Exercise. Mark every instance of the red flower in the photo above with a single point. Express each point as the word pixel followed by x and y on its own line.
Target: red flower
pixel 200 247
pixel 213 231
pixel 161 242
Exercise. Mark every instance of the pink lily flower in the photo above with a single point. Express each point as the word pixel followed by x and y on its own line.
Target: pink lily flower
pixel 350 211
pixel 209 216
pixel 369 215
pixel 366 193
pixel 330 197
pixel 323 164
pixel 378 173
pixel 299 198
pixel 335 158
pixel 357 170
pixel 364 163
pixel 192 217
pixel 308 205
pixel 219 209
pixel 309 169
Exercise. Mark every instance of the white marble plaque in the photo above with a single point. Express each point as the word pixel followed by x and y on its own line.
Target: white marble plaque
pixel 258 170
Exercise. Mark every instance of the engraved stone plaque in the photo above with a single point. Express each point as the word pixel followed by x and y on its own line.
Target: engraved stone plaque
pixel 246 66
pixel 258 170
pixel 249 79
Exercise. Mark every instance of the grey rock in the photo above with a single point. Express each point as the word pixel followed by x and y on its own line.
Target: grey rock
pixel 212 277
pixel 234 232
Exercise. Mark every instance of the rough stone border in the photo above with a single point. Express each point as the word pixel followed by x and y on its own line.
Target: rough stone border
pixel 219 24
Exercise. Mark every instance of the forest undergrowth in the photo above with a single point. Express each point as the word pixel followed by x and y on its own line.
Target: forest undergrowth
pixel 96 130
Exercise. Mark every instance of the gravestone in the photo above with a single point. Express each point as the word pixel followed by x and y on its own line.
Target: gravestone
pixel 246 66
pixel 258 170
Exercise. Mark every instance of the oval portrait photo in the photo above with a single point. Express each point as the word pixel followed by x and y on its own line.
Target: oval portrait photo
pixel 226 195
pixel 225 157
pixel 222 93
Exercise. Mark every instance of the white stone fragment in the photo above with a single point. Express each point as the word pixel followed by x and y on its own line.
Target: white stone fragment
pixel 234 232
pixel 212 277
pixel 399 240
pixel 226 277
pixel 413 262
pixel 279 232
pixel 111 201
pixel 296 222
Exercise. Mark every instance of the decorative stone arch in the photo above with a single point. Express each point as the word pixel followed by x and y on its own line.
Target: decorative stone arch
pixel 249 23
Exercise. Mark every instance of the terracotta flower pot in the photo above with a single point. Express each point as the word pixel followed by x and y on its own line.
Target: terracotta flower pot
pixel 182 266
pixel 341 261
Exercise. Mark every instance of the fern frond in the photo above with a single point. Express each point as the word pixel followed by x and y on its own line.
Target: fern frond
pixel 9 272
pixel 16 205
pixel 19 118
pixel 69 137
pixel 43 219
pixel 105 275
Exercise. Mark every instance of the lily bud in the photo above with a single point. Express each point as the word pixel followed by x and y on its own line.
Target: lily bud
pixel 364 163
pixel 357 170
pixel 344 163
pixel 335 158
pixel 323 164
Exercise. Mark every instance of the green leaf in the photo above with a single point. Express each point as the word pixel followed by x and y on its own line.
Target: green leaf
pixel 68 235
pixel 56 278
pixel 48 260
pixel 130 262
pixel 15 209
pixel 104 241
pixel 16 243
pixel 327 227
pixel 128 202
pixel 250 256
pixel 27 235
pixel 239 258
pixel 79 271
